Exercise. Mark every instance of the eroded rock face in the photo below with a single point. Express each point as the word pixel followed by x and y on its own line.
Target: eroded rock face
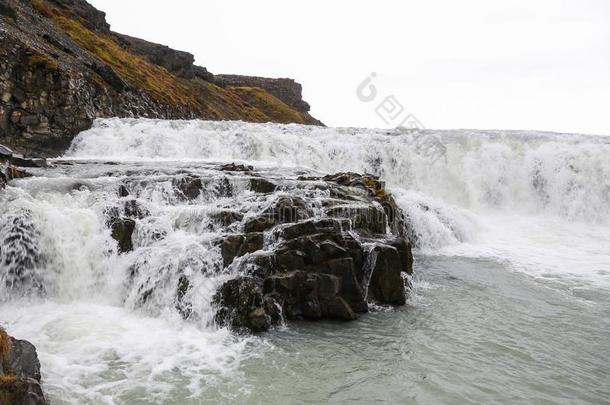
pixel 310 248
pixel 59 72
pixel 287 90
pixel 122 230
pixel 19 372
pixel 12 165
pixel 318 266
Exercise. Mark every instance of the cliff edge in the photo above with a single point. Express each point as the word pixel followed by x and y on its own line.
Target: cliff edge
pixel 61 67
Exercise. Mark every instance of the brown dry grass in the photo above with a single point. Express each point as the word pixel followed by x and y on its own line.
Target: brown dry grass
pixel 7 379
pixel 5 343
pixel 205 99
pixel 5 347
pixel 42 62
pixel 268 104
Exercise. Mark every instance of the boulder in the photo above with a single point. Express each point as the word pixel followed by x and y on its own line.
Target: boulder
pixel 5 152
pixel 20 391
pixel 241 306
pixel 386 285
pixel 227 217
pixel 232 167
pixel 23 359
pixel 305 295
pixel 123 191
pixel 260 185
pixel 189 187
pixel 134 209
pixel 284 210
pixel 238 245
pixel 19 372
pixel 121 231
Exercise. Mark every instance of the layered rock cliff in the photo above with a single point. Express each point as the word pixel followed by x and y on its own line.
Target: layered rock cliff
pixel 61 67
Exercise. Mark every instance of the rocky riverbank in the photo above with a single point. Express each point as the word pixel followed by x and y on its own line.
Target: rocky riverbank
pixel 19 372
pixel 61 67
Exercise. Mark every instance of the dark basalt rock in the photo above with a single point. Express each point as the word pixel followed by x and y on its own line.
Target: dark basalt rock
pixel 134 209
pixel 190 187
pixel 386 284
pixel 319 268
pixel 305 295
pixel 232 167
pixel 109 75
pixel 23 359
pixel 260 185
pixel 19 372
pixel 238 245
pixel 5 152
pixel 370 219
pixel 8 161
pixel 123 191
pixel 242 306
pixel 92 17
pixel 21 391
pixel 226 218
pixel 25 162
pixel 121 231
pixel 284 210
pixel 7 11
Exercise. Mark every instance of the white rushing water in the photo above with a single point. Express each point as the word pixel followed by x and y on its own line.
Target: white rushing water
pixel 525 197
pixel 533 203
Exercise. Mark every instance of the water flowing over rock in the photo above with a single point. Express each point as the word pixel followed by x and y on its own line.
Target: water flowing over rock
pixel 144 263
pixel 274 246
pixel 315 267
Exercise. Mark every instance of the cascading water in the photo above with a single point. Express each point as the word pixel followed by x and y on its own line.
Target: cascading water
pixel 109 326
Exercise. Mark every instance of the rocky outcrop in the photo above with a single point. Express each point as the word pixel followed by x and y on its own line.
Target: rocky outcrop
pixel 19 372
pixel 180 63
pixel 61 67
pixel 12 165
pixel 92 17
pixel 319 267
pixel 281 247
pixel 287 90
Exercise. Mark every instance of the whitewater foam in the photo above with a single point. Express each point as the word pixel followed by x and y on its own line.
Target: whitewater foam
pixel 529 172
pixel 534 202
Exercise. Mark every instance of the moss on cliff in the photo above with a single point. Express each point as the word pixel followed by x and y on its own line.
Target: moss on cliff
pixel 40 61
pixel 203 98
pixel 65 68
pixel 271 106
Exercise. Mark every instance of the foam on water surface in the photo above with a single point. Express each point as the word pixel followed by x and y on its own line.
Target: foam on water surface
pixel 535 203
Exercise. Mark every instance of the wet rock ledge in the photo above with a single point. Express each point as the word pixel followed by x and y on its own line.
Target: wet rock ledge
pixel 19 372
pixel 12 165
pixel 294 247
pixel 328 264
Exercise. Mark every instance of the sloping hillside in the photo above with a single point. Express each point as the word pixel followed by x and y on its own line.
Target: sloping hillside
pixel 61 67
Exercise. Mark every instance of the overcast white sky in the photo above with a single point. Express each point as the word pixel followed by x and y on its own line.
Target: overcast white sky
pixel 521 64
